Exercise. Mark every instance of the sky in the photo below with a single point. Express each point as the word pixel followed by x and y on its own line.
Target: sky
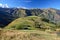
pixel 30 3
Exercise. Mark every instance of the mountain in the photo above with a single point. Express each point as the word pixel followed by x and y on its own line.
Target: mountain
pixel 7 15
pixel 30 23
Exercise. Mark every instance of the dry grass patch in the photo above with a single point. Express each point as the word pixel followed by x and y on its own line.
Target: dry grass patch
pixel 26 35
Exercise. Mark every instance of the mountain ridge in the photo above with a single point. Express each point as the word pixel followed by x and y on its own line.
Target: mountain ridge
pixel 7 15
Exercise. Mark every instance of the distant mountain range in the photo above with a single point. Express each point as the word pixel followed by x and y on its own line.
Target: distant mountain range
pixel 7 15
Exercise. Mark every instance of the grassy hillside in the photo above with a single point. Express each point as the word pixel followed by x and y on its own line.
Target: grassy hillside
pixel 31 23
pixel 27 35
pixel 7 15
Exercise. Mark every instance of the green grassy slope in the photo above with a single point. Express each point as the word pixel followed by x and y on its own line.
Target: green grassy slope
pixel 30 22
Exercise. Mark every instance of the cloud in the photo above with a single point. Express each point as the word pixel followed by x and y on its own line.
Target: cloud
pixel 26 1
pixel 22 7
pixel 4 5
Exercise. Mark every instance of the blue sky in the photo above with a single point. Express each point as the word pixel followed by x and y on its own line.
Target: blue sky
pixel 31 3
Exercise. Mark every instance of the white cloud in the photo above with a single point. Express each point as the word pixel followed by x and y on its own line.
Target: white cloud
pixel 23 7
pixel 27 1
pixel 4 5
